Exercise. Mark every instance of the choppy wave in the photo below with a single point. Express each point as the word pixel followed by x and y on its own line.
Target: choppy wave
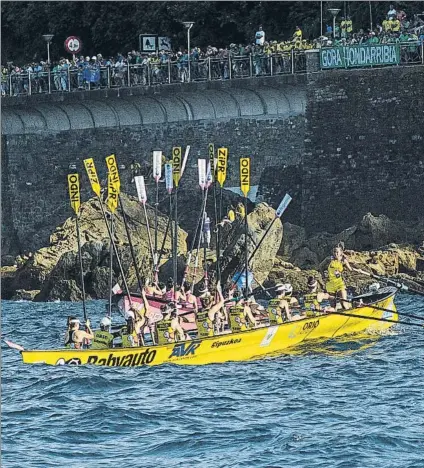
pixel 344 403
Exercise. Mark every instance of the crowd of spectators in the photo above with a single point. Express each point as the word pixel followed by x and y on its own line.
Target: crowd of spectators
pixel 138 68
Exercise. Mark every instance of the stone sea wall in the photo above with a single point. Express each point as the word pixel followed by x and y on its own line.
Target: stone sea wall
pixel 364 147
pixel 342 142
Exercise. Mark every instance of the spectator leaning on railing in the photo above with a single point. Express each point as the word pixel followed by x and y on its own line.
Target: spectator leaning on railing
pixel 260 58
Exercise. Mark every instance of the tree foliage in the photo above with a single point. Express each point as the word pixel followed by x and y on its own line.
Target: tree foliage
pixel 111 27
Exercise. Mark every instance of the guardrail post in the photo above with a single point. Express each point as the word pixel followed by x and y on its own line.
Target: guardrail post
pixel 292 61
pixel 148 74
pixel 422 52
pixel 50 80
pixel 209 69
pixel 69 79
pixel 169 70
pixel 29 83
pixel 108 76
pixel 271 67
pixel 128 74
pixel 10 85
pixel 230 70
pixel 251 65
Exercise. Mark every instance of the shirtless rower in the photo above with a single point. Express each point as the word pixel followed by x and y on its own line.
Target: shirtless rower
pixel 74 337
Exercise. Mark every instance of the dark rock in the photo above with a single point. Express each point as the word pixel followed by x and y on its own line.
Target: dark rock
pixel 233 257
pixel 8 260
pixel 59 262
pixel 99 282
pixel 22 295
pixel 65 290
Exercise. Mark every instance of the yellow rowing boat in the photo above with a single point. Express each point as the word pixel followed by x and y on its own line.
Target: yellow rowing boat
pixel 242 346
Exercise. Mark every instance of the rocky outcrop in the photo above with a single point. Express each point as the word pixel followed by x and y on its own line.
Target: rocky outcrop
pixel 233 256
pixel 55 271
pixel 371 233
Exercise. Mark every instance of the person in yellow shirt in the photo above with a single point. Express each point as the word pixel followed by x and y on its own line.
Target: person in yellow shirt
pixel 395 25
pixel 349 25
pixel 387 25
pixel 336 285
pixel 343 27
pixel 297 35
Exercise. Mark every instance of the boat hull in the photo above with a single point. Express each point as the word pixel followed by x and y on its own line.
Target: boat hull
pixel 243 346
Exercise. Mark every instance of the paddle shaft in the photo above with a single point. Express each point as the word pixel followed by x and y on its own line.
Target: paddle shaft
pixel 403 314
pixel 111 268
pixel 193 241
pixel 397 284
pixel 246 259
pixel 81 268
pixel 174 255
pixel 378 319
pixel 257 245
pixel 115 251
pixel 137 271
pixel 149 236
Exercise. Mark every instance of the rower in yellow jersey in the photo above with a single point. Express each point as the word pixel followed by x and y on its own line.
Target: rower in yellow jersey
pixel 336 285
pixel 313 298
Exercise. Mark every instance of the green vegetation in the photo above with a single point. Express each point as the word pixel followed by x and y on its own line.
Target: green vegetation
pixel 111 27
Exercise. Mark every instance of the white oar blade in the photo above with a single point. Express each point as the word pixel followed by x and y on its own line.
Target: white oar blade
pixel 283 205
pixel 157 165
pixel 187 151
pixel 141 189
pixel 202 172
pixel 13 345
pixel 168 178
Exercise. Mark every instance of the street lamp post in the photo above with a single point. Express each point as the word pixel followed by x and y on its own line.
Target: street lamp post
pixel 334 12
pixel 48 38
pixel 188 25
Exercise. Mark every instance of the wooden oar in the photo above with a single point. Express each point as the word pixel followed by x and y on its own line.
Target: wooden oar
pixel 397 284
pixel 378 319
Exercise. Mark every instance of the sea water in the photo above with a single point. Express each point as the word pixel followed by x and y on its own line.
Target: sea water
pixel 348 403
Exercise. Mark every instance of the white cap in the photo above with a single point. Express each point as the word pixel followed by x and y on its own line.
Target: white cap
pixel 93 57
pixel 105 322
pixel 287 287
pixel 129 314
pixel 74 321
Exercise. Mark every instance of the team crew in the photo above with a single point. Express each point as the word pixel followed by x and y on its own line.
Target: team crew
pixel 213 312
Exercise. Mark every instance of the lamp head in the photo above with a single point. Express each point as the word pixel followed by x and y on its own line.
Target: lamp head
pixel 334 11
pixel 48 37
pixel 188 24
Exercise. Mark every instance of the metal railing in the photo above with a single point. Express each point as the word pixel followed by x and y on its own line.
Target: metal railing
pixel 70 79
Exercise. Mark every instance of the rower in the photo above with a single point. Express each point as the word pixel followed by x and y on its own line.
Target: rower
pixel 278 308
pixel 190 298
pixel 169 294
pixel 286 290
pixel 175 331
pixel 313 298
pixel 136 320
pixel 103 339
pixel 74 337
pixel 336 286
pixel 241 316
pixel 152 289
pixel 253 309
pixel 211 315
